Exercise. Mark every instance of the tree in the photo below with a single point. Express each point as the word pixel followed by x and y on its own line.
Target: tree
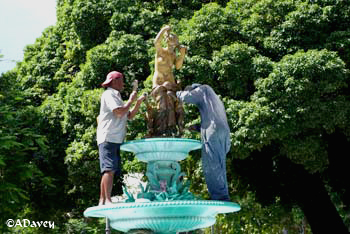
pixel 281 67
pixel 285 127
pixel 21 151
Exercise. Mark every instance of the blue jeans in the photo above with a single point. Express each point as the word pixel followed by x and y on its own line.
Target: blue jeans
pixel 214 169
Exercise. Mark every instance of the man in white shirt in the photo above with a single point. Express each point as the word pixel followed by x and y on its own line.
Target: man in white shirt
pixel 111 130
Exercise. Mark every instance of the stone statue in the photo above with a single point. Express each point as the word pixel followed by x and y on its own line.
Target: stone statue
pixel 165 116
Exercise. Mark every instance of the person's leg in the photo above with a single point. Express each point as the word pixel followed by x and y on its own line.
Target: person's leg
pixel 106 187
pixel 109 165
pixel 102 195
pixel 214 169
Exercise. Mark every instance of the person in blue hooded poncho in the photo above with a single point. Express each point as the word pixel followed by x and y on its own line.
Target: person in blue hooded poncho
pixel 215 135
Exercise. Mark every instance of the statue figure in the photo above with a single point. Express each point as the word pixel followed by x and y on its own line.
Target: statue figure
pixel 166 117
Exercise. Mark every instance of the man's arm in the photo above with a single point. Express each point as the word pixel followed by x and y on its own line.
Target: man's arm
pixel 136 108
pixel 121 111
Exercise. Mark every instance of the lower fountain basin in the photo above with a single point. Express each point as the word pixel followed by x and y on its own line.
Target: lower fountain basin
pixel 162 217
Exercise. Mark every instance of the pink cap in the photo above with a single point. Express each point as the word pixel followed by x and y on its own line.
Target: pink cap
pixel 111 76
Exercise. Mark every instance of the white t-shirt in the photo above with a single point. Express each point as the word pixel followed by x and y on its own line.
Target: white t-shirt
pixel 111 128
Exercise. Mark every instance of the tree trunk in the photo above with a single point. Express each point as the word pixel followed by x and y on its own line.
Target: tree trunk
pixel 310 194
pixel 278 176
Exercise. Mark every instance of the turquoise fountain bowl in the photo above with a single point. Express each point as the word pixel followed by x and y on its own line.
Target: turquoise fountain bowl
pixel 163 149
pixel 162 217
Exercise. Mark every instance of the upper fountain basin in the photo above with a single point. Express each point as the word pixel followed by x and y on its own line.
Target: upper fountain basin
pixel 151 149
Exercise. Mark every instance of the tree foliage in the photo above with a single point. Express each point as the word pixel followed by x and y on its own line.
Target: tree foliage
pixel 22 150
pixel 280 66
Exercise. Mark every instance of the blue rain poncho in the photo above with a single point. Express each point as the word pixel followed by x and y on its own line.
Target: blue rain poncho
pixel 215 135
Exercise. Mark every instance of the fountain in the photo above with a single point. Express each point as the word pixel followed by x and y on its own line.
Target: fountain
pixel 165 205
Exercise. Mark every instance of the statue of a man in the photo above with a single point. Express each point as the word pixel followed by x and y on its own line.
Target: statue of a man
pixel 169 113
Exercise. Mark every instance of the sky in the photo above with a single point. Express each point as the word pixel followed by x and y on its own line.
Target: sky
pixel 21 22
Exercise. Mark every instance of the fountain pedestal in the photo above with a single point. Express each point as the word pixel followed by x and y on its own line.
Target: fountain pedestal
pixel 165 205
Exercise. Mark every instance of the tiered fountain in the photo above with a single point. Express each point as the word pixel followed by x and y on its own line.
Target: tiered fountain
pixel 165 205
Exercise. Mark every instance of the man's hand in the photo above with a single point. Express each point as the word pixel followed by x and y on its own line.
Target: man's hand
pixel 142 97
pixel 134 110
pixel 133 96
pixel 195 128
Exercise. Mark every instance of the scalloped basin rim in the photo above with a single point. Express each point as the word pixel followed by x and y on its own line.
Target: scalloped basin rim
pixel 161 139
pixel 215 207
pixel 162 217
pixel 152 149
pixel 190 143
